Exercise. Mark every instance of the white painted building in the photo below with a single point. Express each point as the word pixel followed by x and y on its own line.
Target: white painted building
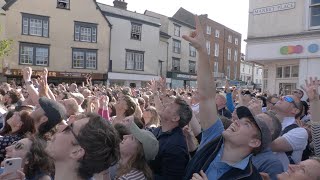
pixel 246 71
pixel 136 53
pixel 284 37
pixel 182 57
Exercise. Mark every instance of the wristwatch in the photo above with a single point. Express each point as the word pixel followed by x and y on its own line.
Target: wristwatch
pixel 29 83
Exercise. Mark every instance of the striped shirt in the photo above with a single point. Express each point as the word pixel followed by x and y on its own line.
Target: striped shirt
pixel 315 126
pixel 133 175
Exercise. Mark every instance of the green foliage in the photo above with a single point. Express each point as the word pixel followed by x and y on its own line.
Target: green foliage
pixel 5 46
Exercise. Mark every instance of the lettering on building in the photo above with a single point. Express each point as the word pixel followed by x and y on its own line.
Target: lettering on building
pixel 275 8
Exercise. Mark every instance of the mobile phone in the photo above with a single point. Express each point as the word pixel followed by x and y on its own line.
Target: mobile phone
pixel 11 166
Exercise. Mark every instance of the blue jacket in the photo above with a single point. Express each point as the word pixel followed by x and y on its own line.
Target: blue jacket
pixel 206 155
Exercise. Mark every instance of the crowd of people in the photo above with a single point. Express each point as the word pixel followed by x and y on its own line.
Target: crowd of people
pixel 90 131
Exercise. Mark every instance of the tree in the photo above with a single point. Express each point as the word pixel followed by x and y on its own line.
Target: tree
pixel 5 46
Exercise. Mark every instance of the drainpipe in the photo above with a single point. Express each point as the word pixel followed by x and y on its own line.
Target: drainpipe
pixel 110 38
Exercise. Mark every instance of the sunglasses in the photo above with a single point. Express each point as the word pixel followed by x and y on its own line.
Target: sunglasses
pixel 290 100
pixel 17 145
pixel 68 129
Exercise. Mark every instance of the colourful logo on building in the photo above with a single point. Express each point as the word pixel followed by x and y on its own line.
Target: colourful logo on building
pixel 313 48
pixel 286 50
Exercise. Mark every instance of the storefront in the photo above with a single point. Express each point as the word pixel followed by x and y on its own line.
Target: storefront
pixel 55 76
pixel 131 80
pixel 287 63
pixel 182 80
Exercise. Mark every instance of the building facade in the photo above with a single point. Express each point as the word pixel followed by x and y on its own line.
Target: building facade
pixel 182 57
pixel 56 34
pixel 135 46
pixel 246 69
pixel 287 47
pixel 224 49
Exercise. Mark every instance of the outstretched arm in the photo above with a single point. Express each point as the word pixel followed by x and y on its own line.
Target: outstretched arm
pixel 206 85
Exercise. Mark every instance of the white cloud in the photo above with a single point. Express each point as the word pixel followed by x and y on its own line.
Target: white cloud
pixel 231 13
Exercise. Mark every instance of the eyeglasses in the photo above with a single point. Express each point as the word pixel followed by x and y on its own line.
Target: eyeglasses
pixel 69 128
pixel 17 145
pixel 290 100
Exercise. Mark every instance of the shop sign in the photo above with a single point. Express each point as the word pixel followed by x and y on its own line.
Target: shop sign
pixel 186 76
pixel 275 8
pixel 298 49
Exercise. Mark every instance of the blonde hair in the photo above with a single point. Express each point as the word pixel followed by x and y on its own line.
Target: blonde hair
pixel 155 119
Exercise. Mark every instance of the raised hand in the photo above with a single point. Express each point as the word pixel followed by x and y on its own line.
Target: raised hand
pixel 227 87
pixel 27 72
pixel 312 88
pixel 196 38
pixel 153 85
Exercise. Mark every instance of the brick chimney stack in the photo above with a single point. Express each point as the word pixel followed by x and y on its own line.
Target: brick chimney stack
pixel 120 4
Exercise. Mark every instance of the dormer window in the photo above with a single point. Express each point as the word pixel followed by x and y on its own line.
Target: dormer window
pixel 63 4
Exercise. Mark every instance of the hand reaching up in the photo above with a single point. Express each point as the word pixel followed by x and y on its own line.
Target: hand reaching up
pixel 312 88
pixel 196 38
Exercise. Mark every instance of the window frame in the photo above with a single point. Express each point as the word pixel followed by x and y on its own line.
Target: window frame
pixel 283 71
pixel 34 53
pixel 229 54
pixel 131 31
pixel 85 51
pixel 236 41
pixel 228 71
pixel 85 25
pixel 311 5
pixel 61 7
pixel 230 38
pixel 195 66
pixel 173 46
pixel 38 17
pixel 134 61
pixel 179 67
pixel 192 51
pixel 235 55
pixel 217 33
pixel 216 49
pixel 208 30
pixel 208 46
pixel 174 30
pixel 216 66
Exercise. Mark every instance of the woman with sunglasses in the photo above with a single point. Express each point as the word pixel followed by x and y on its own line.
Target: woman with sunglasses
pixel 36 164
pixel 17 124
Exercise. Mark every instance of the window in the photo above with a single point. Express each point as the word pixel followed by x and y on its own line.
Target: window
pixel 230 39
pixel 192 67
pixel 236 41
pixel 235 56
pixel 229 54
pixel 63 4
pixel 256 81
pixel 136 31
pixel 208 30
pixel 287 72
pixel 286 88
pixel 265 84
pixel 34 54
pixel 84 59
pixel 85 32
pixel 228 72
pixel 295 71
pixel 315 13
pixel 176 46
pixel 134 60
pixel 175 64
pixel 243 69
pixel 192 51
pixel 217 33
pixel 176 30
pixel 208 47
pixel 257 71
pixel 35 25
pixel 235 72
pixel 216 67
pixel 216 49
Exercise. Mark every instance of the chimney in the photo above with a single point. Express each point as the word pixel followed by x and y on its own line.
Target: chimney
pixel 120 4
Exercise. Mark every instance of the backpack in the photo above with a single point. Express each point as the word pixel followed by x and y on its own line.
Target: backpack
pixel 286 130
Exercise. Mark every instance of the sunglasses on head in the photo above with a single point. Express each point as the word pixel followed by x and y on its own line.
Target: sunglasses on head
pixel 17 145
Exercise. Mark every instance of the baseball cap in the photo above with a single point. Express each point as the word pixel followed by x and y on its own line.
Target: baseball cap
pixel 149 142
pixel 244 112
pixel 54 111
pixel 78 97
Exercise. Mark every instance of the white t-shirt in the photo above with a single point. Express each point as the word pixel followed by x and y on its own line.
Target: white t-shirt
pixel 297 138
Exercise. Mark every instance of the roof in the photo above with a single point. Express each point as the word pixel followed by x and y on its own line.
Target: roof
pixel 9 3
pixel 185 17
pixel 129 15
pixel 165 35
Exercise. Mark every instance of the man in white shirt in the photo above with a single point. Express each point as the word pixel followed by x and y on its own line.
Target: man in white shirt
pixel 293 140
